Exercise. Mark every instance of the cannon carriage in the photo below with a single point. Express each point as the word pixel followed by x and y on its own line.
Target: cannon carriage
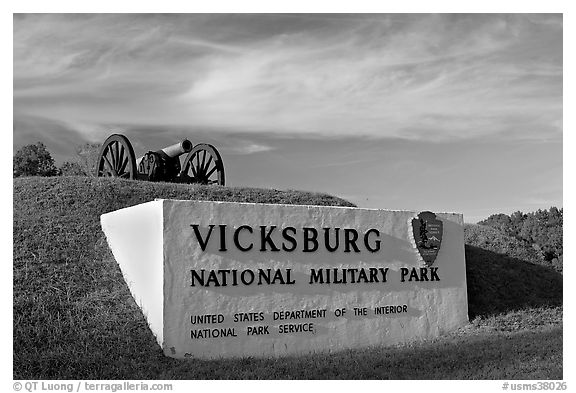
pixel 202 164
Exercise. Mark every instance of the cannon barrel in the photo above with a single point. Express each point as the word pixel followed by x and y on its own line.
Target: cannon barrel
pixel 177 149
pixel 172 151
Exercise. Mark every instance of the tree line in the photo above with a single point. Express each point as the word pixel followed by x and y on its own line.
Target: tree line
pixel 542 230
pixel 36 160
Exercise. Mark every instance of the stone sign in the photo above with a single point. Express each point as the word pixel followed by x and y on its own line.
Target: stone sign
pixel 222 279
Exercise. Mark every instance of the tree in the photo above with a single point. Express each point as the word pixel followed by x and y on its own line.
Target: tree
pixel 71 169
pixel 541 229
pixel 499 221
pixel 517 221
pixel 88 157
pixel 34 160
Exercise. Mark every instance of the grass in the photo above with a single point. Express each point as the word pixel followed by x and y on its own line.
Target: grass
pixel 74 317
pixel 498 283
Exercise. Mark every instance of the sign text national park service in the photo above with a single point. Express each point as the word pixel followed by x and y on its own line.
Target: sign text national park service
pixel 220 279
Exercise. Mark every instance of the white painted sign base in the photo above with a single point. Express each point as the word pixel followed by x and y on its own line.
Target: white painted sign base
pixel 270 280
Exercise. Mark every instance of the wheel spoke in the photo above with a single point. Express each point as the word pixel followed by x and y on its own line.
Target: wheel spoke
pixel 111 156
pixel 202 170
pixel 203 161
pixel 191 164
pixel 208 164
pixel 123 166
pixel 121 156
pixel 211 171
pixel 117 157
pixel 111 171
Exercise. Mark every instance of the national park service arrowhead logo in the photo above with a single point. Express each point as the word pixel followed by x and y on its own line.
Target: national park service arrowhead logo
pixel 427 230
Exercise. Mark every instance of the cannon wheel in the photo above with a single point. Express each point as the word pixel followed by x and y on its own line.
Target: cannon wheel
pixel 117 158
pixel 203 165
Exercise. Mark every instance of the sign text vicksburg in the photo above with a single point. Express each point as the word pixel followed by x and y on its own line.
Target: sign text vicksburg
pixel 307 239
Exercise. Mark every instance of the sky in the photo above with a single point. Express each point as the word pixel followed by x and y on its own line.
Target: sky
pixel 441 112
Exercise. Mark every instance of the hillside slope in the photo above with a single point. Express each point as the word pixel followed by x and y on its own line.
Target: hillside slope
pixel 504 274
pixel 69 297
pixel 74 317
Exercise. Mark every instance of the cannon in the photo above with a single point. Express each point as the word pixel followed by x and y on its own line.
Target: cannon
pixel 202 165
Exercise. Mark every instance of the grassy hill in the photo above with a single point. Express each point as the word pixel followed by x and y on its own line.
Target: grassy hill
pixel 504 274
pixel 74 317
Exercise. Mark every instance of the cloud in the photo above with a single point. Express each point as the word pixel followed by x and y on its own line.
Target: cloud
pixel 419 77
pixel 447 84
pixel 249 148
